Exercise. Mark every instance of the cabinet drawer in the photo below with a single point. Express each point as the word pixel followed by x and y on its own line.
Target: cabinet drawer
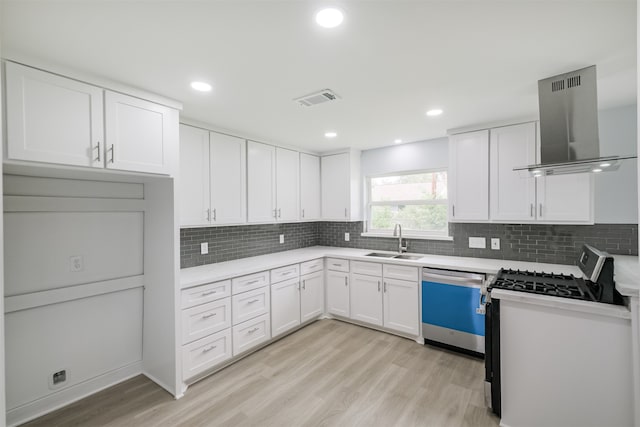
pixel 400 272
pixel 205 319
pixel 284 273
pixel 249 282
pixel 312 266
pixel 205 293
pixel 368 268
pixel 250 304
pixel 251 333
pixel 337 264
pixel 206 353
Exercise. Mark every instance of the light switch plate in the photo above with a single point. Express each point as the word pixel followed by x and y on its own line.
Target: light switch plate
pixel 495 243
pixel 477 242
pixel 346 237
pixel 281 238
pixel 204 248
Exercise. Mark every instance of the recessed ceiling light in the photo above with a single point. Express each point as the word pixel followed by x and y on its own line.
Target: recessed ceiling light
pixel 329 18
pixel 434 112
pixel 201 86
pixel 397 141
pixel 605 165
pixel 330 134
pixel 597 170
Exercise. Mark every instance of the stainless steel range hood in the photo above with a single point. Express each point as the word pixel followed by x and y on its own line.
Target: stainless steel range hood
pixel 569 126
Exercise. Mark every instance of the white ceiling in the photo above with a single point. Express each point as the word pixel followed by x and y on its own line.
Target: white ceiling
pixel 390 61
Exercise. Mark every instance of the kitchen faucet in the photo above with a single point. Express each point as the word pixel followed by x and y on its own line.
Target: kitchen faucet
pixel 397 231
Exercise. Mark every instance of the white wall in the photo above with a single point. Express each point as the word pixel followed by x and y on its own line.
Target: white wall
pixel 616 193
pixel 431 154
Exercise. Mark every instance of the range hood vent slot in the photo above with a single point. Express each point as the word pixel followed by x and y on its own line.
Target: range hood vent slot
pixel 557 85
pixel 320 97
pixel 573 81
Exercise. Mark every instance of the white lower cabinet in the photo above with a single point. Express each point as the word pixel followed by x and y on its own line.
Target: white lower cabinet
pixel 285 306
pixel 251 333
pixel 205 353
pixel 248 305
pixel 338 293
pixel 366 298
pixel 311 296
pixel 400 302
pixel 205 319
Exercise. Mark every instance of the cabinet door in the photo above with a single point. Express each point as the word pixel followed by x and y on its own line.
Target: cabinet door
pixel 338 293
pixel 400 300
pixel 565 198
pixel 309 187
pixel 311 296
pixel 287 178
pixel 469 176
pixel 285 306
pixel 53 119
pixel 138 134
pixel 261 170
pixel 513 195
pixel 194 176
pixel 335 187
pixel 228 179
pixel 366 299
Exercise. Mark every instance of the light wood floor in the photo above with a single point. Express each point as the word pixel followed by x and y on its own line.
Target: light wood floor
pixel 328 374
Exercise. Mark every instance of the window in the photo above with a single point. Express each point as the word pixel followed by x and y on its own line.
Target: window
pixel 416 200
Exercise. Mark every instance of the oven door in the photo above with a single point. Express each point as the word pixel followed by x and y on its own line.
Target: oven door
pixel 492 357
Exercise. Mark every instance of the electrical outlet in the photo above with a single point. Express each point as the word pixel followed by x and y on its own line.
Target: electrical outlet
pixel 477 242
pixel 346 237
pixel 281 238
pixel 495 243
pixel 76 263
pixel 204 248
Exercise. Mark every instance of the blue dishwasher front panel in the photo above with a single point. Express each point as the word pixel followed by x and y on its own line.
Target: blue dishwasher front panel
pixel 453 314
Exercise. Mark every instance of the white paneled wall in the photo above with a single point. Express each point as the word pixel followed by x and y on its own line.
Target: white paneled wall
pixel 85 318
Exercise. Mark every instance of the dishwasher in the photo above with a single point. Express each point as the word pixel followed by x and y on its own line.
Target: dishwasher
pixel 453 309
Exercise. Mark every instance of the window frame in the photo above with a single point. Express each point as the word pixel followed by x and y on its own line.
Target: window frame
pixel 444 235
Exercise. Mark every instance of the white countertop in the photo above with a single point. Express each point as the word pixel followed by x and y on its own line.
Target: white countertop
pixel 194 276
pixel 626 270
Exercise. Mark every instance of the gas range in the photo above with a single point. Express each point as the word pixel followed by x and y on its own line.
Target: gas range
pixel 597 285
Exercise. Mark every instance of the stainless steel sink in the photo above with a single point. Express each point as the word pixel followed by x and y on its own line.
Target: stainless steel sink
pixel 412 257
pixel 381 255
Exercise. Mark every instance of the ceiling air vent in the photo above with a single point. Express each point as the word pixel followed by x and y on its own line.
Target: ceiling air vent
pixel 316 98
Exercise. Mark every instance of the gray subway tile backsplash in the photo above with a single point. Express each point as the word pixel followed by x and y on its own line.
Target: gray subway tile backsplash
pixel 559 244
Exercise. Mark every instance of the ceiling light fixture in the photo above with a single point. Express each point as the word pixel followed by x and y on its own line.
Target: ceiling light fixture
pixel 597 170
pixel 330 134
pixel 605 165
pixel 329 18
pixel 434 112
pixel 397 141
pixel 201 86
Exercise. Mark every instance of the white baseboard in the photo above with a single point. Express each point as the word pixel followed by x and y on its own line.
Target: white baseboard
pixel 64 397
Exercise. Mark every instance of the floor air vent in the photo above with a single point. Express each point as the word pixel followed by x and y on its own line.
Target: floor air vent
pixel 316 98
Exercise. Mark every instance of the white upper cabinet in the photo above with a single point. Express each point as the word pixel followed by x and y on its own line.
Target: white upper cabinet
pixel 228 160
pixel 287 179
pixel 53 119
pixel 341 186
pixel 212 178
pixel 137 133
pixel 194 176
pixel 261 182
pixel 565 198
pixel 309 187
pixel 513 195
pixel 469 176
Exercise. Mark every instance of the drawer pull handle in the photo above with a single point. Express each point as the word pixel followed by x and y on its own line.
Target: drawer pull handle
pixel 208 349
pixel 253 281
pixel 208 315
pixel 313 266
pixel 252 301
pixel 287 272
pixel 250 331
pixel 204 294
pixel 378 285
pixel 304 284
pixel 336 265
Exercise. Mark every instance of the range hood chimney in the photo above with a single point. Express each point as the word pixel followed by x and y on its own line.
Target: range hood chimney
pixel 569 126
